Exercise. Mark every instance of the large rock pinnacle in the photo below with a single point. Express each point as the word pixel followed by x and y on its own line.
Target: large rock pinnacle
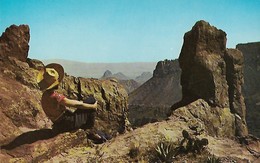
pixel 15 42
pixel 213 73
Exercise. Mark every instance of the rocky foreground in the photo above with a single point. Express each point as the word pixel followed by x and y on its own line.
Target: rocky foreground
pixel 208 124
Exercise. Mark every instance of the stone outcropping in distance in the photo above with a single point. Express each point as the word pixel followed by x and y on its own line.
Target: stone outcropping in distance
pixel 213 73
pixel 161 88
pixel 145 76
pixel 152 100
pixel 129 84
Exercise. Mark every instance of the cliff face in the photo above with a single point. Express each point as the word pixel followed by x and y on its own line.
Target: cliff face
pixel 152 100
pixel 213 73
pixel 251 87
pixel 25 129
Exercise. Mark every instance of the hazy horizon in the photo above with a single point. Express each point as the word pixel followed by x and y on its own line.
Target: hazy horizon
pixel 96 70
pixel 60 59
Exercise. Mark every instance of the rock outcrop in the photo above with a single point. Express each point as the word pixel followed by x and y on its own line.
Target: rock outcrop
pixel 251 87
pixel 20 107
pixel 15 42
pixel 203 66
pixel 152 100
pixel 24 124
pixel 112 98
pixel 146 139
pixel 213 73
pixel 162 89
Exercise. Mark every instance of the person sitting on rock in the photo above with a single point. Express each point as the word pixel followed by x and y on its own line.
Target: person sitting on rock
pixel 55 105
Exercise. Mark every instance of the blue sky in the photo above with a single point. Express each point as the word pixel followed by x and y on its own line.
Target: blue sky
pixel 125 30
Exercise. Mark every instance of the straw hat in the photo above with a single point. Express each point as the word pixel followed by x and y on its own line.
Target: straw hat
pixel 50 76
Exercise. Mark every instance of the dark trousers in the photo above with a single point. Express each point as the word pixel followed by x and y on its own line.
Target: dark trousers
pixel 83 119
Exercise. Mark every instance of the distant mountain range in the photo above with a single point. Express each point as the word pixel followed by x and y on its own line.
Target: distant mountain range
pixel 130 70
pixel 129 84
pixel 119 75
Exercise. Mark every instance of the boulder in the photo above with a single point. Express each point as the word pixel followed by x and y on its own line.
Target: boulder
pixel 111 96
pixel 201 117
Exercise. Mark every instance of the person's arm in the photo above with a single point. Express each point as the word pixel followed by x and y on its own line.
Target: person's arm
pixel 78 104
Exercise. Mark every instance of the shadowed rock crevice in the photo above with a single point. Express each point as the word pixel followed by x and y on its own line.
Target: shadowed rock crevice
pixel 78 83
pixel 235 79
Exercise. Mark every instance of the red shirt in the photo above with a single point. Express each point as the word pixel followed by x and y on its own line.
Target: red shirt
pixel 51 104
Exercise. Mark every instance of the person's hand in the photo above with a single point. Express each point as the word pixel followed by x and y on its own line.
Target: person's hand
pixel 95 105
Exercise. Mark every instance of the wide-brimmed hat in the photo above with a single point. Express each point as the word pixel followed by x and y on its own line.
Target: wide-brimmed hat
pixel 50 76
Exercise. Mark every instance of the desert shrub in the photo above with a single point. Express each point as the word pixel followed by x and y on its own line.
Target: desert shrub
pixel 134 152
pixel 213 159
pixel 166 151
pixel 167 147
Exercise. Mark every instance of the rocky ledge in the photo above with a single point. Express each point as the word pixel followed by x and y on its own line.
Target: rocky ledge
pixel 25 129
